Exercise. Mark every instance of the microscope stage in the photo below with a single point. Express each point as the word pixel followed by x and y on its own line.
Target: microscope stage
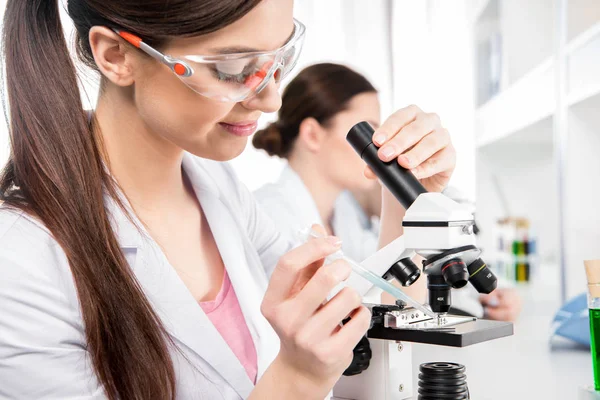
pixel 457 335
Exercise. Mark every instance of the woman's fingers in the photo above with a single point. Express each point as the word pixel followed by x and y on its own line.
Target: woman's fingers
pixel 369 173
pixel 306 274
pixel 502 304
pixel 291 265
pixel 338 344
pixel 425 149
pixel 394 123
pixel 443 161
pixel 353 330
pixel 335 311
pixel 320 285
pixel 408 136
pixel 419 143
pixel 319 229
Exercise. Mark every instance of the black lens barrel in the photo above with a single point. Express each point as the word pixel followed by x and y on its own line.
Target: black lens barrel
pixel 481 277
pixel 439 293
pixel 399 181
pixel 455 273
pixel 404 271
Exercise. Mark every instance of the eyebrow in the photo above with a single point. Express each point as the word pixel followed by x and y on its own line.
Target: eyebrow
pixel 234 49
pixel 245 49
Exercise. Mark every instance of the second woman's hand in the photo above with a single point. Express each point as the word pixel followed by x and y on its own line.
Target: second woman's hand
pixel 419 143
pixel 315 350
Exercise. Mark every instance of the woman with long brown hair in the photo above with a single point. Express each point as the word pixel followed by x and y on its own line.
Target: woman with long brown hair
pixel 133 264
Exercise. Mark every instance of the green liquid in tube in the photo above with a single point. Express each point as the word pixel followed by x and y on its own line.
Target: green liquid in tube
pixel 595 344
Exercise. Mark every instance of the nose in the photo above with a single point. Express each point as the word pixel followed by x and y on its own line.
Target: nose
pixel 267 100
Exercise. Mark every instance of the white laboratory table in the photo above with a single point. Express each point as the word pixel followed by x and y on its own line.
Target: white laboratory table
pixel 524 366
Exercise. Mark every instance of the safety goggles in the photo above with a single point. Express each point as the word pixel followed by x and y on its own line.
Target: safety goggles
pixel 229 77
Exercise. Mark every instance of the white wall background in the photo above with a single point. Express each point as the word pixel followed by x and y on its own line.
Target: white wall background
pixel 352 32
pixel 413 52
pixel 583 192
pixel 433 68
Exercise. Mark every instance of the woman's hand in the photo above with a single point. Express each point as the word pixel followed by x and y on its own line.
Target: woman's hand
pixel 502 304
pixel 315 349
pixel 419 143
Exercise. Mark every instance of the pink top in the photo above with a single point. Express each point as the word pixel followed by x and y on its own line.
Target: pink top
pixel 226 315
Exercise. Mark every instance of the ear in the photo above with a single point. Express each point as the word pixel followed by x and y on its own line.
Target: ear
pixel 111 55
pixel 311 134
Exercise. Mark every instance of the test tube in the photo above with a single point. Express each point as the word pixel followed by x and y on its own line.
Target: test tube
pixel 592 270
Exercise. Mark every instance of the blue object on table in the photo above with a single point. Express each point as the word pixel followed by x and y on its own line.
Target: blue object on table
pixel 572 321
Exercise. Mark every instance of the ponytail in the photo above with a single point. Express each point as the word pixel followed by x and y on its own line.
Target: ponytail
pixel 320 91
pixel 55 173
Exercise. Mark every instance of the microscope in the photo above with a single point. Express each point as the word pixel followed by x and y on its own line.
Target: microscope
pixel 440 231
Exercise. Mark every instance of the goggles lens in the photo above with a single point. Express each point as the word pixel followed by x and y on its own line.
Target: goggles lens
pixel 237 77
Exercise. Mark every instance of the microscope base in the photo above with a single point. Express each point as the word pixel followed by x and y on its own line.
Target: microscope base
pixel 464 334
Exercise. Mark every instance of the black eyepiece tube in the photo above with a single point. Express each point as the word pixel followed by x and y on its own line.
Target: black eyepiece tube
pixel 400 181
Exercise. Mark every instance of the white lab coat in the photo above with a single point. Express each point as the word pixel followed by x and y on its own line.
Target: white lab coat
pixel 291 206
pixel 42 341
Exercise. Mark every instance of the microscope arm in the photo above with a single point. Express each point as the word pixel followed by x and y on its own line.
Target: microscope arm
pixel 390 363
pixel 379 263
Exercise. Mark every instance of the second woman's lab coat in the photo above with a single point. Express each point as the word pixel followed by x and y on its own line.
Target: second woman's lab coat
pixel 291 206
pixel 43 349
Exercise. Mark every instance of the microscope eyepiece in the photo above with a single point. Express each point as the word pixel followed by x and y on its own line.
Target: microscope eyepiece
pixel 404 271
pixel 399 181
pixel 481 277
pixel 455 273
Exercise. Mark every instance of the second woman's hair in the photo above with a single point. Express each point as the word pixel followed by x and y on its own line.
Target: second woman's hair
pixel 56 172
pixel 320 91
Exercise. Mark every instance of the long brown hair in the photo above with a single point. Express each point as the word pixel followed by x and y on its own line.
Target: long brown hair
pixel 320 91
pixel 55 171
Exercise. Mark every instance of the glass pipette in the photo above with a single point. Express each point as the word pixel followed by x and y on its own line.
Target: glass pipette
pixel 374 279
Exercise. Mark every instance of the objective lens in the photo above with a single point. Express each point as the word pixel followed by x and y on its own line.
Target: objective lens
pixel 455 273
pixel 404 271
pixel 439 293
pixel 481 277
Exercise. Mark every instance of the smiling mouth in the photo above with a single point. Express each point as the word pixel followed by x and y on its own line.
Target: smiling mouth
pixel 242 129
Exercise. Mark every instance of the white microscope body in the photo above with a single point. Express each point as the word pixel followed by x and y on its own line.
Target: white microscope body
pixel 435 223
pixel 440 231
